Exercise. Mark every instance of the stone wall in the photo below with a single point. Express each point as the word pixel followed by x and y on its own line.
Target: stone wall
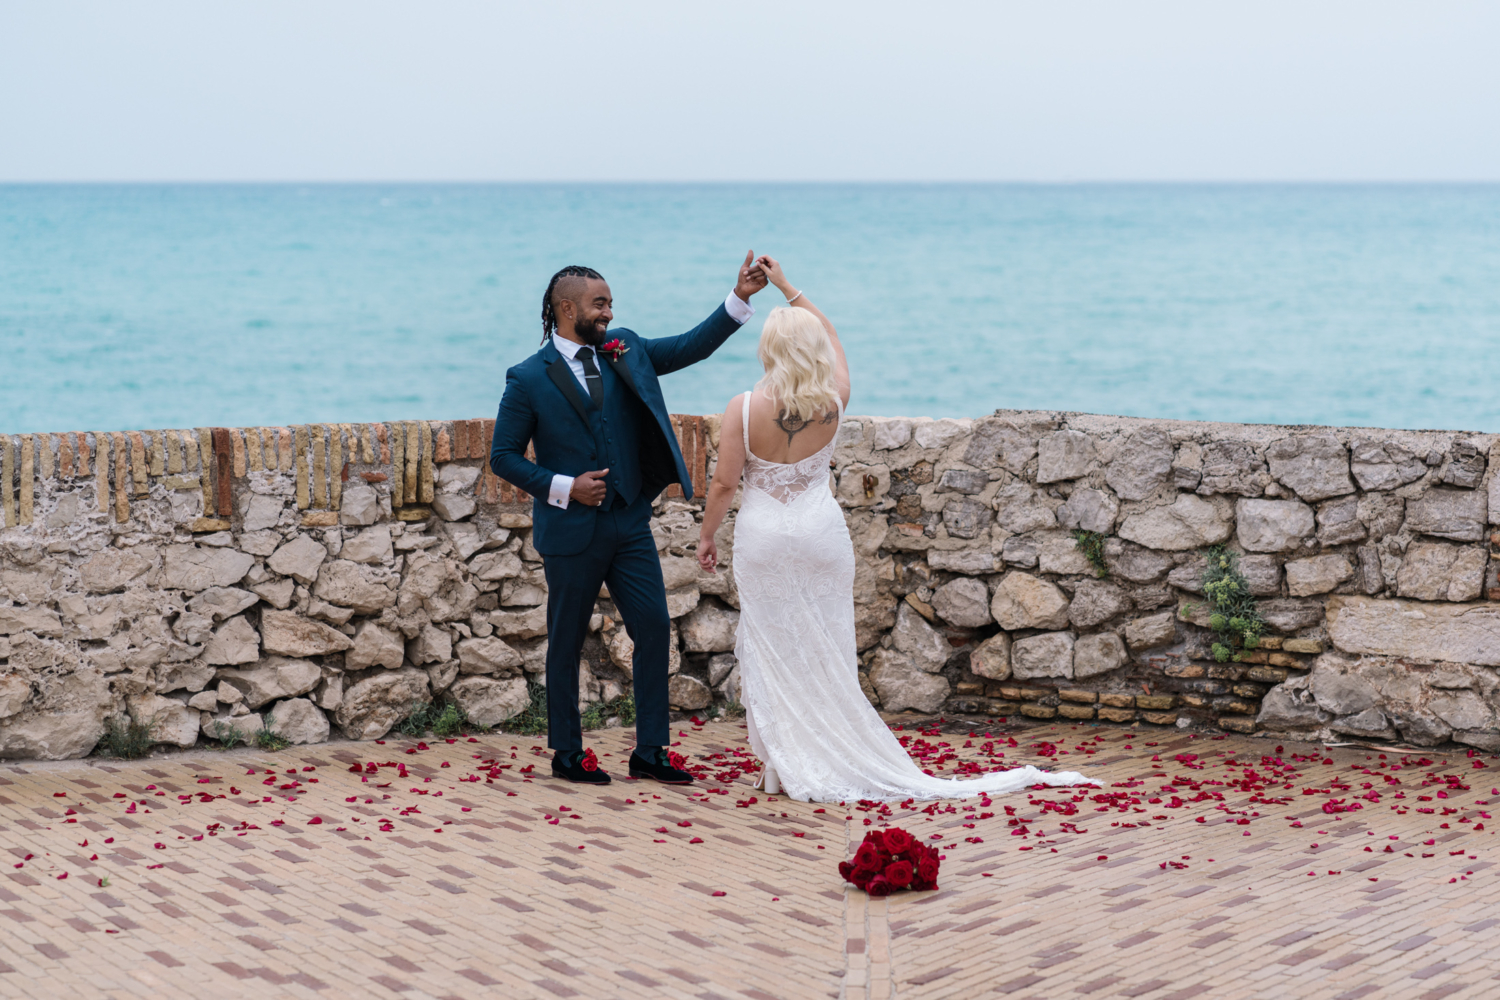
pixel 1368 552
pixel 330 577
pixel 310 579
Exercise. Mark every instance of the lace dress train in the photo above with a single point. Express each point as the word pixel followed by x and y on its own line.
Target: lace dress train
pixel 799 675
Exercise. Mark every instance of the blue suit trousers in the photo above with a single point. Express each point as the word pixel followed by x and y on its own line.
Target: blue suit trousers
pixel 622 555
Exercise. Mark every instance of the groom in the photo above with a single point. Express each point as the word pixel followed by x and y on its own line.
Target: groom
pixel 590 402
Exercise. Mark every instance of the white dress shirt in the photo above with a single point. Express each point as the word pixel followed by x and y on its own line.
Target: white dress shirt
pixel 738 309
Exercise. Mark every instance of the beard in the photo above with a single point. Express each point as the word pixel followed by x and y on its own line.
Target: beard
pixel 589 332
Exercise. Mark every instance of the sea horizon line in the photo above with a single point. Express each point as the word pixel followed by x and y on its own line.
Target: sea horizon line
pixel 1091 183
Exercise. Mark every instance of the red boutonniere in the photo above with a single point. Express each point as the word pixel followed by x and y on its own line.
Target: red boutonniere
pixel 589 761
pixel 615 348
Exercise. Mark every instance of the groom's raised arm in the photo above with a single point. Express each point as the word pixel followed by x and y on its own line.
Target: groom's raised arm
pixel 514 426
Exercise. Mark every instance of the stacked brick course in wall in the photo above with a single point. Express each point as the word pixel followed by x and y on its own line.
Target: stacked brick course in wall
pixel 336 575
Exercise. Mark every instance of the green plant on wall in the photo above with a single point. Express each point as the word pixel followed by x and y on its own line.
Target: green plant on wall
pixel 444 720
pixel 126 738
pixel 225 735
pixel 270 739
pixel 532 721
pixel 1234 617
pixel 1091 544
pixel 599 713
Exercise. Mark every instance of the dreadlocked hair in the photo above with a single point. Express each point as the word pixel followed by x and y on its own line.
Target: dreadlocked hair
pixel 549 320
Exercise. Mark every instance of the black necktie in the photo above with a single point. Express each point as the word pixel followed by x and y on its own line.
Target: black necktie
pixel 591 376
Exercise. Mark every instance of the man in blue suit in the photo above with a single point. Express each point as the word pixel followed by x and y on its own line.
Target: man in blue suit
pixel 590 401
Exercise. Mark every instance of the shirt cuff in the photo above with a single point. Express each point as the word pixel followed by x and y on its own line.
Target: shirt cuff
pixel 738 309
pixel 557 496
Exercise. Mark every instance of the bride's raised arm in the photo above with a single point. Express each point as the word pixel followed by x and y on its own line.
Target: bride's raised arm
pixel 726 481
pixel 799 299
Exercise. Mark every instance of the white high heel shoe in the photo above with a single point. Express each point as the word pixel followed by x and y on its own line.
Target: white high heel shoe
pixel 768 782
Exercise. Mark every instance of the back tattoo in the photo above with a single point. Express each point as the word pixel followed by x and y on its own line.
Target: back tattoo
pixel 791 426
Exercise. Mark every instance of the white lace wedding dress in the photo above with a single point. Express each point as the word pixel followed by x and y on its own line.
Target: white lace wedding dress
pixel 799 676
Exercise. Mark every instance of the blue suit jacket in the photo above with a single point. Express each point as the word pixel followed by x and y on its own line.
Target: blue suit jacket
pixel 632 436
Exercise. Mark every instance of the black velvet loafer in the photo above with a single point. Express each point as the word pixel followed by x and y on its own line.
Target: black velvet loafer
pixel 580 772
pixel 659 770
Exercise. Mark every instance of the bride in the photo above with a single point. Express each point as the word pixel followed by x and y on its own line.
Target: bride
pixel 809 722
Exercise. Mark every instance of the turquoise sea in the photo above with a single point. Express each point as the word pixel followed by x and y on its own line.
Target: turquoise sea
pixel 189 305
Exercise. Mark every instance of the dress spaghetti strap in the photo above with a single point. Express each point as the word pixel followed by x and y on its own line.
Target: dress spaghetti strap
pixel 745 421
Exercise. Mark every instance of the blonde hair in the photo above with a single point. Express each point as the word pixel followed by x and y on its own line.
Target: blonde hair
pixel 799 363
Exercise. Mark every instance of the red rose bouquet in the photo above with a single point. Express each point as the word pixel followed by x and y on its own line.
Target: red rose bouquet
pixel 889 860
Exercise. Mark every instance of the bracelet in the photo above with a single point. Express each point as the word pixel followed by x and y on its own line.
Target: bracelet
pixel 794 298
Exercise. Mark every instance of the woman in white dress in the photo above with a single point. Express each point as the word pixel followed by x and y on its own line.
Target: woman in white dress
pixel 810 724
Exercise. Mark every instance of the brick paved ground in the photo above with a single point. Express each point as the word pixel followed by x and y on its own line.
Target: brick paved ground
pixel 505 886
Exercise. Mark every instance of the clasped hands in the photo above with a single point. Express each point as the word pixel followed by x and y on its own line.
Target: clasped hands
pixel 753 276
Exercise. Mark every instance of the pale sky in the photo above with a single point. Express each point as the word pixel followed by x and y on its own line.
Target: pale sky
pixel 667 90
